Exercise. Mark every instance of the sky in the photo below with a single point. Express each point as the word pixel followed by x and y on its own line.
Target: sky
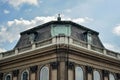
pixel 102 16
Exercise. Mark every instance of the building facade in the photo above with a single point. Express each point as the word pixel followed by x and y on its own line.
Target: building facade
pixel 59 50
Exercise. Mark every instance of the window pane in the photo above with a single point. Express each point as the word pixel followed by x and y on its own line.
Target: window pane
pixel 111 77
pixel 25 76
pixel 44 73
pixel 78 73
pixel 96 75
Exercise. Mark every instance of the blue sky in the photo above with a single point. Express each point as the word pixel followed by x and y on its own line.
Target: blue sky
pixel 100 15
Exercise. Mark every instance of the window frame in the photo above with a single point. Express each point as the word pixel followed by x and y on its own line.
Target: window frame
pixel 8 75
pixel 23 72
pixel 48 72
pixel 83 72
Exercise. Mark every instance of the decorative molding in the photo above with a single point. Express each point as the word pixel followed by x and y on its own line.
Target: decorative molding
pixel 15 73
pixel 34 69
pixel 1 76
pixel 54 65
pixel 89 69
pixel 105 73
pixel 70 65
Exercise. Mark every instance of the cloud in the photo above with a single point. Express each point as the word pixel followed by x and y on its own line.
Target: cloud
pixel 116 30
pixel 82 20
pixel 18 3
pixel 10 31
pixel 112 47
pixel 6 11
pixel 2 50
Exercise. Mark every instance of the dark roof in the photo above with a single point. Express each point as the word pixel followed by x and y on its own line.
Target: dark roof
pixel 57 22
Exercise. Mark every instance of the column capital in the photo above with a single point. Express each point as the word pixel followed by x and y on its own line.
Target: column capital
pixel 1 76
pixel 105 73
pixel 89 69
pixel 15 72
pixel 118 75
pixel 54 65
pixel 70 65
pixel 33 69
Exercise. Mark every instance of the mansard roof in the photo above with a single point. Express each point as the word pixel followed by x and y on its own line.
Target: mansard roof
pixel 58 22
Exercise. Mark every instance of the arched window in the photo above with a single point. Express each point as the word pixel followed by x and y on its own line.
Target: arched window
pixel 25 75
pixel 96 75
pixel 79 73
pixel 111 76
pixel 8 77
pixel 44 73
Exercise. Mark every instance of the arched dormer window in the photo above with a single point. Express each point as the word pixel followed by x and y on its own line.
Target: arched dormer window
pixel 44 73
pixel 25 75
pixel 111 76
pixel 96 75
pixel 79 73
pixel 8 77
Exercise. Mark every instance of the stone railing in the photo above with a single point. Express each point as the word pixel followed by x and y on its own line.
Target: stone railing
pixel 59 40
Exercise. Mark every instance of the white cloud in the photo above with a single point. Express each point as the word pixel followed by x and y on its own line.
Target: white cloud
pixel 6 11
pixel 18 3
pixel 10 31
pixel 82 20
pixel 116 30
pixel 2 50
pixel 112 47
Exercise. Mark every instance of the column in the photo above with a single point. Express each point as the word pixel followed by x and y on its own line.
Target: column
pixel 62 71
pixel 1 76
pixel 15 74
pixel 89 72
pixel 70 67
pixel 105 75
pixel 54 68
pixel 33 72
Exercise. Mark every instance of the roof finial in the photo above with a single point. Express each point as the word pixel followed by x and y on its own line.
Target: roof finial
pixel 59 18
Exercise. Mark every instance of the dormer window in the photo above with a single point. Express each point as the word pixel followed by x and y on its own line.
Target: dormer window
pixel 32 37
pixel 60 29
pixel 89 37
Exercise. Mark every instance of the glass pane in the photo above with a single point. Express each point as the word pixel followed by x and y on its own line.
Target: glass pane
pixel 111 77
pixel 96 75
pixel 44 73
pixel 78 73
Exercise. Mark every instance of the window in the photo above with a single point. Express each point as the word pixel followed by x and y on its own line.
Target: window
pixel 96 75
pixel 89 37
pixel 79 73
pixel 25 75
pixel 111 76
pixel 60 29
pixel 44 73
pixel 8 77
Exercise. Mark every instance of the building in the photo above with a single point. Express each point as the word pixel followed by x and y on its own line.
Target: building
pixel 59 50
